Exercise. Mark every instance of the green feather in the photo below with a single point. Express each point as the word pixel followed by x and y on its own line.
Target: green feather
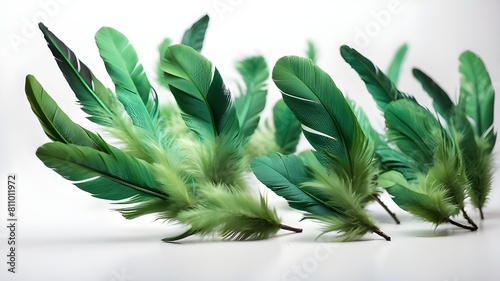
pixel 433 206
pixel 382 89
pixel 364 122
pixel 205 101
pixel 441 101
pixel 159 72
pixel 477 160
pixel 413 129
pixel 340 175
pixel 195 35
pixel 287 128
pixel 114 176
pixel 328 122
pixel 235 216
pixel 132 86
pixel 251 101
pixel 55 123
pixel 394 69
pixel 96 100
pixel 311 50
pixel 284 175
pixel 477 95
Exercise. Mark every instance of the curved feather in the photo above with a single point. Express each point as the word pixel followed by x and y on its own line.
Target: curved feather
pixel 441 101
pixel 114 176
pixel 197 86
pixel 328 121
pixel 477 160
pixel 382 89
pixel 55 123
pixel 477 95
pixel 96 100
pixel 250 103
pixel 195 35
pixel 132 85
pixel 284 175
pixel 394 69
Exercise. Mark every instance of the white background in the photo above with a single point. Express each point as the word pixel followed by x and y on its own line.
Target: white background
pixel 64 234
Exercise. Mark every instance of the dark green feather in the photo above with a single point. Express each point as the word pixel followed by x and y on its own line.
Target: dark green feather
pixel 382 89
pixel 441 101
pixel 328 122
pixel 96 100
pixel 205 101
pixel 284 175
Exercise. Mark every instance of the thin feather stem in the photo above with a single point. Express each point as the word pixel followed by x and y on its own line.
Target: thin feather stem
pixel 461 225
pixel 393 215
pixel 382 234
pixel 290 228
pixel 481 213
pixel 469 220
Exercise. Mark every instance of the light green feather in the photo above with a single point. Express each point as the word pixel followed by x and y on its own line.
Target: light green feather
pixel 252 99
pixel 234 216
pixel 394 69
pixel 132 86
pixel 477 95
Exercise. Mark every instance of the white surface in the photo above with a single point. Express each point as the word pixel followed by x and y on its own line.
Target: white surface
pixel 64 234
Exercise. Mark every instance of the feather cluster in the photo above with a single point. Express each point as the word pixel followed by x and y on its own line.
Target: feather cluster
pixel 428 167
pixel 187 161
pixel 334 183
pixel 190 172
